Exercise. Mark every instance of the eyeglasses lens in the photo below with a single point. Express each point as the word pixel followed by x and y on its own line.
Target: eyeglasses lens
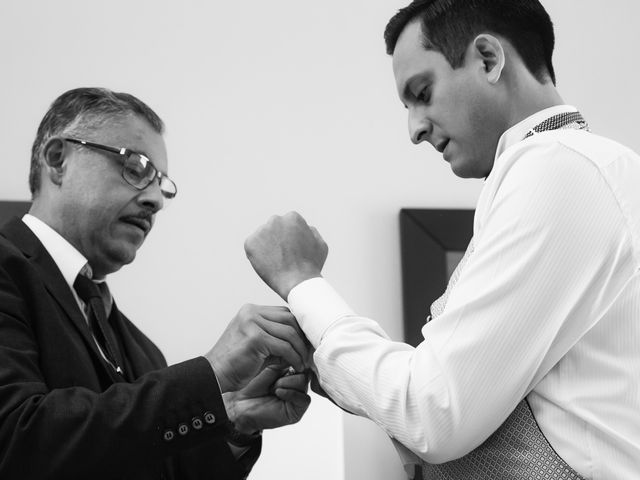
pixel 138 171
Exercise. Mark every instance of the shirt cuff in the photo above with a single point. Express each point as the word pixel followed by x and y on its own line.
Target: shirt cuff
pixel 316 306
pixel 237 451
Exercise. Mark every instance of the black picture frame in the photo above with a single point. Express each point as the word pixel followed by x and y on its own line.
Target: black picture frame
pixel 432 241
pixel 12 208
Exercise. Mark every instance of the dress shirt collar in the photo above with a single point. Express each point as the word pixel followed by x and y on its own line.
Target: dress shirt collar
pixel 69 260
pixel 516 133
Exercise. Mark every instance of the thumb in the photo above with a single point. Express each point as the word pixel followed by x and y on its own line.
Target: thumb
pixel 262 383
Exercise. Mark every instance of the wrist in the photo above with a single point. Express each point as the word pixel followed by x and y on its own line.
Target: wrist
pixel 293 280
pixel 238 425
pixel 240 439
pixel 218 371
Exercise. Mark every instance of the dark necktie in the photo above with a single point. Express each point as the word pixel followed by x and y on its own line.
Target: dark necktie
pixel 97 308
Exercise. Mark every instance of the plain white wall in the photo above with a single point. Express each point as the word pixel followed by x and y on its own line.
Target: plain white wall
pixel 274 106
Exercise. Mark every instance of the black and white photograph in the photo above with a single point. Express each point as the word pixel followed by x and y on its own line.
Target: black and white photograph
pixel 337 240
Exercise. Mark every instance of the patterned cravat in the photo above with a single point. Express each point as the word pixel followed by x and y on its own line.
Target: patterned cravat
pixel 572 120
pixel 518 450
pixel 98 301
pixel 561 120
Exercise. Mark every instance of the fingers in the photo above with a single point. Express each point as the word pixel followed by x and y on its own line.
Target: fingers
pixel 292 389
pixel 285 341
pixel 269 400
pixel 274 378
pixel 298 381
pixel 275 325
pixel 258 336
pixel 277 351
pixel 283 315
pixel 297 400
pixel 262 382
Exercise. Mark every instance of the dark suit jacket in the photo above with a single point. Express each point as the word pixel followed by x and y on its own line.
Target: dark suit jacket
pixel 64 412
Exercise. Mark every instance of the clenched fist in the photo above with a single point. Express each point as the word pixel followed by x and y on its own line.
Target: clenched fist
pixel 285 252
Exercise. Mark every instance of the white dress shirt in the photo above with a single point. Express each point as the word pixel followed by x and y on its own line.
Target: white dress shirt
pixel 68 259
pixel 547 307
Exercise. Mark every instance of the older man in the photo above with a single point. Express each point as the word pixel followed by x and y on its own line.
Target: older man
pixel 530 368
pixel 83 392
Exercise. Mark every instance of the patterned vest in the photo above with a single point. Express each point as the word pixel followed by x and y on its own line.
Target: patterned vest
pixel 517 450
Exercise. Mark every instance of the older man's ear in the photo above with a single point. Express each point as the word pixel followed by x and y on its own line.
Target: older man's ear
pixel 54 155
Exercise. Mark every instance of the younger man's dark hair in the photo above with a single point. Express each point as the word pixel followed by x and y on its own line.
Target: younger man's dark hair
pixel 449 26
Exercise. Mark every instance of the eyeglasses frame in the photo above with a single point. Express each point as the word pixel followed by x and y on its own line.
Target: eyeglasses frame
pixel 126 152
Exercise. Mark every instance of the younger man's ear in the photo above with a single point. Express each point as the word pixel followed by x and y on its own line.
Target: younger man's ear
pixel 490 51
pixel 54 153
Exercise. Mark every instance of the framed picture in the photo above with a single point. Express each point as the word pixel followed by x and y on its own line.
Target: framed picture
pixel 432 243
pixel 10 209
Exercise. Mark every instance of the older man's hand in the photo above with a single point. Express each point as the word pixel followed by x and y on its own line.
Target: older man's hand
pixel 257 337
pixel 272 399
pixel 285 252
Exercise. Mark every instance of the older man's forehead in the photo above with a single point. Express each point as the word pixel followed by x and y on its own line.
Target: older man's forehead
pixel 136 133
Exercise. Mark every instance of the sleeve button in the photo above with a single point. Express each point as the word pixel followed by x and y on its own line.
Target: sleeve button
pixel 168 435
pixel 196 423
pixel 183 429
pixel 209 418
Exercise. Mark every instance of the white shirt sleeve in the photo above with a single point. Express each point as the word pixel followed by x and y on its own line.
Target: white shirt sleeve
pixel 552 253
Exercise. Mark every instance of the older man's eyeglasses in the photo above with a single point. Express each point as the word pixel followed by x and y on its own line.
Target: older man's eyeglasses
pixel 137 170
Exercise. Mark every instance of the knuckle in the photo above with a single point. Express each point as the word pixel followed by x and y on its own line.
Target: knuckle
pixel 253 340
pixel 247 311
pixel 273 219
pixel 248 244
pixel 293 216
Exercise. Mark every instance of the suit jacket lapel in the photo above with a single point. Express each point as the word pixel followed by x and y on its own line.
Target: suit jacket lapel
pixel 24 239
